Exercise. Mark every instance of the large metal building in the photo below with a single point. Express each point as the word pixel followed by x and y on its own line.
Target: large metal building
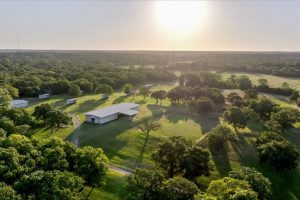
pixel 111 113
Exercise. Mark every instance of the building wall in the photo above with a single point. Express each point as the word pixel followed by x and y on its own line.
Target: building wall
pixel 103 120
pixel 109 118
pixel 23 105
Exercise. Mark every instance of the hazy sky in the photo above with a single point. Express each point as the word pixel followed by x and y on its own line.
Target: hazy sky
pixel 150 25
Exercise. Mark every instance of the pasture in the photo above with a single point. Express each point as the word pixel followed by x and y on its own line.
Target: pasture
pixel 274 81
pixel 121 140
pixel 123 143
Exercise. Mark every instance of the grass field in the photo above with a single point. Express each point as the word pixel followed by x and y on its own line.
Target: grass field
pixel 123 143
pixel 272 80
pixel 112 190
pixel 121 139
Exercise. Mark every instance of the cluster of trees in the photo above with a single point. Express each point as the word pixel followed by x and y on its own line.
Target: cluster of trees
pixel 51 117
pixel 48 168
pixel 245 183
pixel 277 151
pixel 204 99
pixel 181 163
pixel 17 120
pixel 261 109
pixel 243 82
pixel 65 73
pixel 12 120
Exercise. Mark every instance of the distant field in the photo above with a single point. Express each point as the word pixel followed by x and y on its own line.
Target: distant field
pixel 273 80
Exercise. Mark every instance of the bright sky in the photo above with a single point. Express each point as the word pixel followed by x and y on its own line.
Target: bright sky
pixel 150 25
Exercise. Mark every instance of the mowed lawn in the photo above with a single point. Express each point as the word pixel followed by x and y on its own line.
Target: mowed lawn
pixel 121 140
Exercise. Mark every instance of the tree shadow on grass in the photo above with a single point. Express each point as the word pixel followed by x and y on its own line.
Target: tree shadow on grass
pixel 88 105
pixel 245 149
pixel 105 136
pixel 221 161
pixel 120 99
pixel 178 113
pixel 141 101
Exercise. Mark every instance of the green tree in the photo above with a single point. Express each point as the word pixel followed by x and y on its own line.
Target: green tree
pixel 13 92
pixel 41 111
pixel 195 163
pixel 178 188
pixel 104 89
pixel 7 125
pixel 282 155
pixel 244 83
pixel 267 137
pixel 5 99
pixel 91 164
pixel 61 185
pixel 230 188
pixel 263 82
pixel 147 125
pixel 74 90
pixel 144 92
pixel 294 96
pixel 159 95
pixel 205 104
pixel 286 116
pixel 274 126
pixel 144 184
pixel 251 94
pixel 235 116
pixel 127 88
pixel 285 85
pixel 170 155
pixel 8 193
pixel 2 132
pixel 57 119
pixel 263 107
pixel 235 99
pixel 260 184
pixel 85 85
pixel 218 136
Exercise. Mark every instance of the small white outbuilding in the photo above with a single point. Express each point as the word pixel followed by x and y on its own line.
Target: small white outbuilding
pixel 111 113
pixel 18 103
pixel 44 96
pixel 71 101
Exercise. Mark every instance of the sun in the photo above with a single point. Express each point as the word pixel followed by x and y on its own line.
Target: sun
pixel 180 18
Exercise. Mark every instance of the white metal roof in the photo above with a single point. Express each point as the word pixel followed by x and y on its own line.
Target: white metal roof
pixel 124 108
pixel 18 102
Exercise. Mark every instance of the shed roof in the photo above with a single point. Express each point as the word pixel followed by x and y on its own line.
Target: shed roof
pixel 18 102
pixel 124 108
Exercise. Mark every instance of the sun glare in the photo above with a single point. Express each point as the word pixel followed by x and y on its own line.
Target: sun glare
pixel 180 18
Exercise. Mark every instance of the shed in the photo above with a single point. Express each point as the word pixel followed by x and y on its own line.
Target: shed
pixel 44 96
pixel 71 101
pixel 18 103
pixel 111 113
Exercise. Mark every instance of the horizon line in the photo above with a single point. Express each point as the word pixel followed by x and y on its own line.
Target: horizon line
pixel 148 50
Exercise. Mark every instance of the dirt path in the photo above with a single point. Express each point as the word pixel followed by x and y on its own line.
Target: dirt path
pixel 202 138
pixel 76 122
pixel 122 171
